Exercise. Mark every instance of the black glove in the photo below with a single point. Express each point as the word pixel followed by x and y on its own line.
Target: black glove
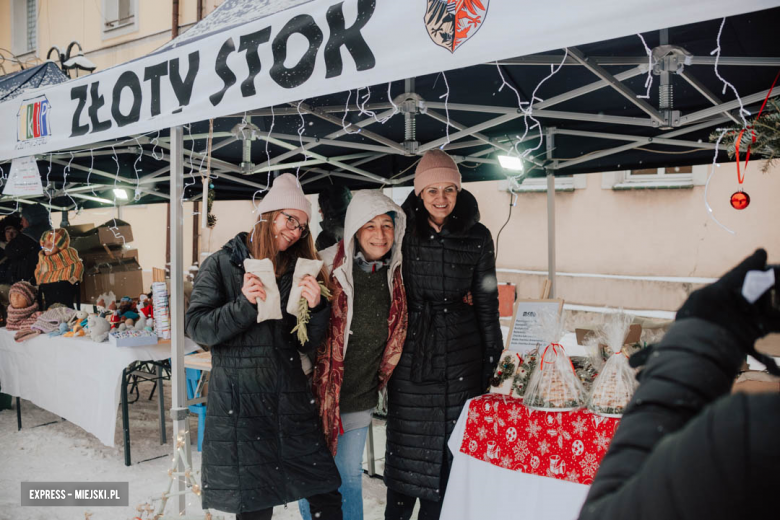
pixel 722 303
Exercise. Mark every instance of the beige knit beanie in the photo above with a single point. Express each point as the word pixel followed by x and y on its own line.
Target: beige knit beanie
pixel 286 193
pixel 435 167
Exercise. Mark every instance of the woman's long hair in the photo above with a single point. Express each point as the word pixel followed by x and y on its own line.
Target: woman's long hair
pixel 261 243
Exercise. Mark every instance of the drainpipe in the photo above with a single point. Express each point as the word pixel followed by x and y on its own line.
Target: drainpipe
pixel 175 21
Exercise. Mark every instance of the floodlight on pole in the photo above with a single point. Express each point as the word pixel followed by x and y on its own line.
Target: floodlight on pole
pixel 511 162
pixel 120 194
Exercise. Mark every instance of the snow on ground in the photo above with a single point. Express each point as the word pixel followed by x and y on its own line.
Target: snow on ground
pixel 62 451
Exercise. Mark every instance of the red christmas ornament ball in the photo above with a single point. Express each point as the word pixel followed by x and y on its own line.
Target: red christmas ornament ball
pixel 740 200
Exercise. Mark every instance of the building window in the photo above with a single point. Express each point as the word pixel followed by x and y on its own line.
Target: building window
pixel 24 14
pixel 119 17
pixel 669 177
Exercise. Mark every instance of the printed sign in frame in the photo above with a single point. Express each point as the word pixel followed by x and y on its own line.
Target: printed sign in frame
pixel 525 316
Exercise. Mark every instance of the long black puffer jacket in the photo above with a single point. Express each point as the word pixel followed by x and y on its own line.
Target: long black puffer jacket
pixel 451 347
pixel 686 449
pixel 21 260
pixel 262 445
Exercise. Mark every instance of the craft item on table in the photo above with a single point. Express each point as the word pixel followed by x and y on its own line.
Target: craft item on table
pixel 523 373
pixel 145 306
pixel 585 369
pixel 115 320
pixel 50 320
pixel 98 328
pixel 77 332
pixel 613 388
pixel 554 385
pixel 132 338
pixel 77 317
pixel 105 299
pixel 63 328
pixel 140 324
pixel 127 309
pixel 297 305
pixel 162 315
pixel 57 261
pixel 271 308
pixel 22 308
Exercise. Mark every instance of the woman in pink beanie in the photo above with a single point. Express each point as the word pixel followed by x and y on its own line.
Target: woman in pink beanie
pixel 454 337
pixel 262 444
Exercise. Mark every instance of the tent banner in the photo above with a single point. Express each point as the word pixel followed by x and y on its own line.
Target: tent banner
pixel 319 48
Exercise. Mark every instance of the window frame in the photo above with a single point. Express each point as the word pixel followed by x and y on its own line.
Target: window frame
pixel 25 52
pixel 130 25
pixel 621 180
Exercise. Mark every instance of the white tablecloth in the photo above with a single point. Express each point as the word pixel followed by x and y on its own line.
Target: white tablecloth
pixel 77 379
pixel 479 490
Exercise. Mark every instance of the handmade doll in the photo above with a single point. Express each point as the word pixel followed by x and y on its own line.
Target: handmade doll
pixel 126 309
pixel 59 269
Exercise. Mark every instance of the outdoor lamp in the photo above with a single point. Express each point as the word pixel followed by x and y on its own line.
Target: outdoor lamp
pixel 510 162
pixel 120 194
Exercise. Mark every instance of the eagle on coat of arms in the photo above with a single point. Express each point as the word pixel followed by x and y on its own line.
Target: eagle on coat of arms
pixel 451 23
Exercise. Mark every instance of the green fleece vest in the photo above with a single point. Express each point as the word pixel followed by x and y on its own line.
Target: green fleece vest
pixel 367 340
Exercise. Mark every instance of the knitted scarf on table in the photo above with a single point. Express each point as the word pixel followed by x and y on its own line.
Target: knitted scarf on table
pixel 62 265
pixel 22 318
pixel 329 365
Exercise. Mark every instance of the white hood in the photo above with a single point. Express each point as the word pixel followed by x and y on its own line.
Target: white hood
pixel 365 205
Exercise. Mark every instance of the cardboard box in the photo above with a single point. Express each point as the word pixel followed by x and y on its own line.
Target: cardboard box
pixel 115 232
pixel 633 335
pixel 124 279
pixel 108 256
pixel 754 382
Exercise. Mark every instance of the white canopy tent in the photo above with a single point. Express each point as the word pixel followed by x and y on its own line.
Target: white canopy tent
pixel 247 56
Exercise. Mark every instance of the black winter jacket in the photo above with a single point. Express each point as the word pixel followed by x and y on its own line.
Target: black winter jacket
pixel 21 260
pixel 262 445
pixel 451 347
pixel 685 449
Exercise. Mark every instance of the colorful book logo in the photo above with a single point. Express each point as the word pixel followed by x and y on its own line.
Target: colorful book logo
pixel 34 119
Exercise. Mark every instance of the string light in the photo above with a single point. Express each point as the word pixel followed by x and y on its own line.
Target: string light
pixel 344 117
pixel 446 97
pixel 715 165
pixel 301 130
pixel 155 143
pixel 649 80
pixel 742 111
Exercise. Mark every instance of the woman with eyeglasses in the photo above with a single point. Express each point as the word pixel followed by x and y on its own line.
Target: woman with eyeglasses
pixel 262 445
pixel 454 337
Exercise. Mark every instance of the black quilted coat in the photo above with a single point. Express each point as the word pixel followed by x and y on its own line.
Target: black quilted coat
pixel 263 445
pixel 451 347
pixel 686 449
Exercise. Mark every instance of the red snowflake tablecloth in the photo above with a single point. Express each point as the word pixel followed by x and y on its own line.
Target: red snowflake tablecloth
pixel 561 445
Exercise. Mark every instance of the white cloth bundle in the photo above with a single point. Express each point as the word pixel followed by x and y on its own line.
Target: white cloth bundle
pixel 271 308
pixel 304 267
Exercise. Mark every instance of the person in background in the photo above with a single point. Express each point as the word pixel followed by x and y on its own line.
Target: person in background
pixel 686 449
pixel 454 339
pixel 366 335
pixel 262 444
pixel 21 250
pixel 333 201
pixel 35 221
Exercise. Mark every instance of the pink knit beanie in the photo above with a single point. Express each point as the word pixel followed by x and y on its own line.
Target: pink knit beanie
pixel 435 167
pixel 286 193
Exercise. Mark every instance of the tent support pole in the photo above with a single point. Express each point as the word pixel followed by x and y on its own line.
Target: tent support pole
pixel 550 141
pixel 179 411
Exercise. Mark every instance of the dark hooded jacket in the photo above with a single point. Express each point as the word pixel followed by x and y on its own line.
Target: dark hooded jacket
pixel 262 445
pixel 38 218
pixel 451 346
pixel 686 449
pixel 21 259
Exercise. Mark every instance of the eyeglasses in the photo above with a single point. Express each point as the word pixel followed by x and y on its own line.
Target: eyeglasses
pixel 293 224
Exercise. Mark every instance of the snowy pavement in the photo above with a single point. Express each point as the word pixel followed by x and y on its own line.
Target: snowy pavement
pixel 62 451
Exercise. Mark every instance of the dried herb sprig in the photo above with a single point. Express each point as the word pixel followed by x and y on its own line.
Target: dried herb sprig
pixel 304 314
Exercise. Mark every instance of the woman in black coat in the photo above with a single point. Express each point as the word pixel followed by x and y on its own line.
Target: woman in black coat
pixel 686 449
pixel 262 444
pixel 454 337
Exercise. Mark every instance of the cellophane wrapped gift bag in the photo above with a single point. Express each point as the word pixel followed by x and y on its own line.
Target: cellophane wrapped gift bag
pixel 616 383
pixel 554 385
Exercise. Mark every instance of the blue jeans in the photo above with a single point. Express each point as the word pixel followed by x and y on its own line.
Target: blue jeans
pixel 349 461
